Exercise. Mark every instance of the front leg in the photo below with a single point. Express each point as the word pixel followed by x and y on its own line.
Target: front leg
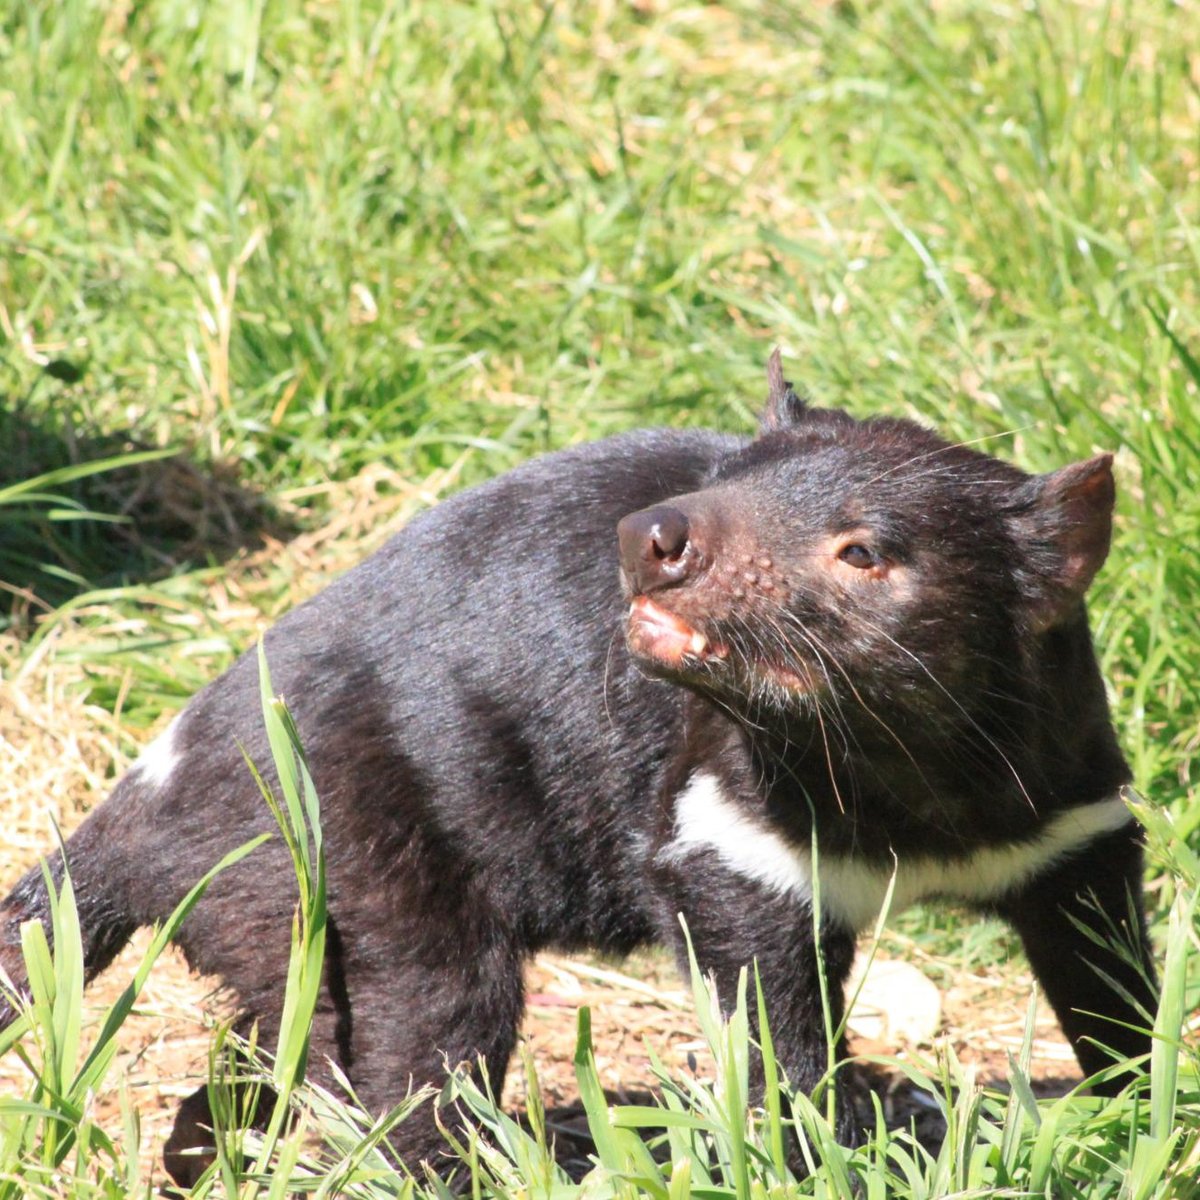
pixel 1104 995
pixel 746 898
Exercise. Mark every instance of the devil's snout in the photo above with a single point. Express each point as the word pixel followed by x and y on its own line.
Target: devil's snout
pixel 658 548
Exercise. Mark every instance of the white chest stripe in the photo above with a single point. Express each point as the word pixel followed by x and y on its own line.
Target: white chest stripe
pixel 853 891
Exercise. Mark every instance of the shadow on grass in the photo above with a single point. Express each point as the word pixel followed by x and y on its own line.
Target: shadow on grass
pixel 130 524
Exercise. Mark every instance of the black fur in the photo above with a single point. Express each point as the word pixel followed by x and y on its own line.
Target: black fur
pixel 498 772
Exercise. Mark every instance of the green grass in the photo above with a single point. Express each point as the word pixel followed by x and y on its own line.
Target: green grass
pixel 293 241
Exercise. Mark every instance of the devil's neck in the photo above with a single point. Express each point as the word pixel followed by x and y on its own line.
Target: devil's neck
pixel 947 785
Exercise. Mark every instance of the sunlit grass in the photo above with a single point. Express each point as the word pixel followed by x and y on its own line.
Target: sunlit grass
pixel 300 240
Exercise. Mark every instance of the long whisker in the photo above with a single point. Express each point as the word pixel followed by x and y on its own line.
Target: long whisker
pixel 812 640
pixel 963 445
pixel 958 705
pixel 616 634
pixel 858 696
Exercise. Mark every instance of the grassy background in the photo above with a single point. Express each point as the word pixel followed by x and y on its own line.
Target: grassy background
pixel 345 256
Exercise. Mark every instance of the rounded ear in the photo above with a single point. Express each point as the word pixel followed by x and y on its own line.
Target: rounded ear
pixel 784 407
pixel 1064 528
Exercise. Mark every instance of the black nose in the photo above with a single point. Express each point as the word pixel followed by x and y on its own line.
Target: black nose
pixel 656 548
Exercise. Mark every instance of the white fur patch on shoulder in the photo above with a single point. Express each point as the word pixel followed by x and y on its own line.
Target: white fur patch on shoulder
pixel 852 891
pixel 157 762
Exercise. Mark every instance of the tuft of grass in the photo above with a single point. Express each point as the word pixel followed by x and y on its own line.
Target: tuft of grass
pixel 47 1137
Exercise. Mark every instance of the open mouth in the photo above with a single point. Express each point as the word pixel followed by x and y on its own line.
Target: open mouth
pixel 666 638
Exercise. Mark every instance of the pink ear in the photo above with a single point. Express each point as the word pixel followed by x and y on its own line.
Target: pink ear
pixel 1067 531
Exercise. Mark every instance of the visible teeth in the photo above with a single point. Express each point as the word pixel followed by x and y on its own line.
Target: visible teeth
pixel 698 643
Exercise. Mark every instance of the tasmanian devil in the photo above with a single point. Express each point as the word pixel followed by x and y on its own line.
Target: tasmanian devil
pixel 842 652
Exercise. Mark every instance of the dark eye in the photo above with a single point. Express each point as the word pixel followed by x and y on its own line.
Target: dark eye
pixel 857 555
